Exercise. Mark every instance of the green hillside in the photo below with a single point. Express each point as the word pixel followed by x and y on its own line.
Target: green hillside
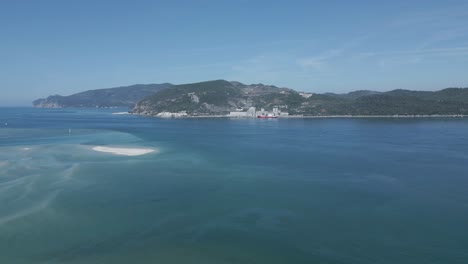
pixel 125 96
pixel 214 97
pixel 220 97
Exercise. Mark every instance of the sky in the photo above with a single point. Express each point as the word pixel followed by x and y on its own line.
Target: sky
pixel 64 47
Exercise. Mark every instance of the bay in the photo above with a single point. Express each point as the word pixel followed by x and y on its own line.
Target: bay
pixel 231 190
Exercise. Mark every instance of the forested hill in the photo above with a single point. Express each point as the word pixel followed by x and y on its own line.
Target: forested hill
pixel 125 96
pixel 220 96
pixel 216 97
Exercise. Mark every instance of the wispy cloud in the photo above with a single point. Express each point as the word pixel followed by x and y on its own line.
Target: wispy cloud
pixel 426 31
pixel 318 62
pixel 430 17
pixel 394 58
pixel 266 68
pixel 445 35
pixel 321 61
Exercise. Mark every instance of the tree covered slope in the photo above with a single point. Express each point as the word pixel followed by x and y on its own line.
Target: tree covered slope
pixel 125 96
pixel 221 97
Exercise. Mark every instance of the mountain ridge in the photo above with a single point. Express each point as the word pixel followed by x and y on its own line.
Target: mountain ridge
pixel 219 97
pixel 122 96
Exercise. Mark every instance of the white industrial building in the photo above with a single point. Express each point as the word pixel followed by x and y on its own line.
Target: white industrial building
pixel 172 115
pixel 251 112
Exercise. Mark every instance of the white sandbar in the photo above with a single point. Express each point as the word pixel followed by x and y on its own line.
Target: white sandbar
pixel 124 151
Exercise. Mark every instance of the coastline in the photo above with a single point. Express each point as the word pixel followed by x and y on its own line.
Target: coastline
pixel 380 116
pixel 290 116
pixel 312 117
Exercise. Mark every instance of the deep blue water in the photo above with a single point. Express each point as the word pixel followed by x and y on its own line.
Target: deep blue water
pixel 231 190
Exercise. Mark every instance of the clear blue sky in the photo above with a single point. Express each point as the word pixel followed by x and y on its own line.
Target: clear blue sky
pixel 63 47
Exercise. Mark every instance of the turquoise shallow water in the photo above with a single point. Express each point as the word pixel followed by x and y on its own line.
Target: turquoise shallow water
pixel 231 191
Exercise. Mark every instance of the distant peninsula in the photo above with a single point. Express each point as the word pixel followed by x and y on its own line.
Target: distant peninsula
pixel 228 98
pixel 124 96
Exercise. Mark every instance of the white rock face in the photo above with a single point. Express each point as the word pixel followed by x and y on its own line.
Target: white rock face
pixel 305 95
pixel 194 98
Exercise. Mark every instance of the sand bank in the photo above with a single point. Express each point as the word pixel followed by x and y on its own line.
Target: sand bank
pixel 124 151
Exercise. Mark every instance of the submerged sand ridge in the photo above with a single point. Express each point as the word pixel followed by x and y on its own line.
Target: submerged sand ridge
pixel 124 151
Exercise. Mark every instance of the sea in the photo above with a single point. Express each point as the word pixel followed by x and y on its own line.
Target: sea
pixel 219 190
